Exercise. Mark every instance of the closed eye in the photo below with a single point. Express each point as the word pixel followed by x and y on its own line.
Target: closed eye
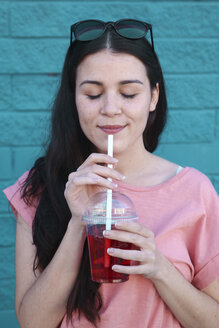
pixel 123 94
pixel 128 96
pixel 93 97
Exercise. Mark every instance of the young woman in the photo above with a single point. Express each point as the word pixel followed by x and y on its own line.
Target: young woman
pixel 112 83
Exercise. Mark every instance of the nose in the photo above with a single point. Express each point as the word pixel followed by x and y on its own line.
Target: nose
pixel 110 106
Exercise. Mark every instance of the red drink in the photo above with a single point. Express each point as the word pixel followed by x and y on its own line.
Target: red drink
pixel 100 261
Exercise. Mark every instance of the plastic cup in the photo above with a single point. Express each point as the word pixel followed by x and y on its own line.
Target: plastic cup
pixel 95 217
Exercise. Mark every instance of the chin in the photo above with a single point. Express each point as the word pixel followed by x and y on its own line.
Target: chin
pixel 118 147
pixel 118 150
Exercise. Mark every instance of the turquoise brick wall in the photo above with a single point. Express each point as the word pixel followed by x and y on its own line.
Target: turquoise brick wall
pixel 34 36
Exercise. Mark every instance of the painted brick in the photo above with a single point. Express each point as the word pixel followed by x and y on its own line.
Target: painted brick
pixel 7 294
pixel 192 56
pixel 5 92
pixel 47 55
pixel 8 318
pixel 7 260
pixel 54 18
pixel 25 128
pixel 182 19
pixel 5 163
pixel 24 158
pixel 32 56
pixel 33 92
pixel 192 91
pixel 4 23
pixel 4 205
pixel 5 55
pixel 8 230
pixel 217 124
pixel 204 157
pixel 189 126
pixel 42 19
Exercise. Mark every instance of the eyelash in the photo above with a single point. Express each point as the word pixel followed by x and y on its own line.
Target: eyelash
pixel 125 96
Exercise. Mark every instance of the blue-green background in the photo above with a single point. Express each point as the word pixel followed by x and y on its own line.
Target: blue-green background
pixel 34 36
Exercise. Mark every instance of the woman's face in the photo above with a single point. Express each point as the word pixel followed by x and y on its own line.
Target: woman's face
pixel 113 96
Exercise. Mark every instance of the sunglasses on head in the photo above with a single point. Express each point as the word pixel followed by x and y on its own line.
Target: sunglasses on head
pixel 92 29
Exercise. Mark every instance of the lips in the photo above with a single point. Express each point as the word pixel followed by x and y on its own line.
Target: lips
pixel 112 129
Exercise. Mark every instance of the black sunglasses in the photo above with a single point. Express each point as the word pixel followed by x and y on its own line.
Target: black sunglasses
pixel 92 29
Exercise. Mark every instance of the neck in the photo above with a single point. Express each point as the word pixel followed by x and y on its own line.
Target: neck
pixel 133 161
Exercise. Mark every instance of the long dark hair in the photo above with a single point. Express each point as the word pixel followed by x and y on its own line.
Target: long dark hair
pixel 67 148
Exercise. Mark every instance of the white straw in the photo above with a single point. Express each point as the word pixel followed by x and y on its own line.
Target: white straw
pixel 109 191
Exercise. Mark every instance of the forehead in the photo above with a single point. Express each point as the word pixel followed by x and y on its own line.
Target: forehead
pixel 106 64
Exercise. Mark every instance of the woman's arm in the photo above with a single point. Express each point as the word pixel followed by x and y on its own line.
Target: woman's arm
pixel 192 308
pixel 41 301
pixel 213 290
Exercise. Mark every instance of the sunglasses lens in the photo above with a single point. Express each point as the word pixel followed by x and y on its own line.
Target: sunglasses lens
pixel 89 30
pixel 131 29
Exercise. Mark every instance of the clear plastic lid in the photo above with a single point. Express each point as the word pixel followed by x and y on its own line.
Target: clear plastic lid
pixel 122 208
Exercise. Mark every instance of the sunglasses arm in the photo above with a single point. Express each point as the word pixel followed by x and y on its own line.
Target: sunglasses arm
pixel 152 40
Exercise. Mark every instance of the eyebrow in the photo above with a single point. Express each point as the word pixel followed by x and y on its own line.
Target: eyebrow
pixel 120 83
pixel 130 81
pixel 91 82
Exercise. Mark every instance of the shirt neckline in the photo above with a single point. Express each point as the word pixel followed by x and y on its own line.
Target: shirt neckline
pixel 162 185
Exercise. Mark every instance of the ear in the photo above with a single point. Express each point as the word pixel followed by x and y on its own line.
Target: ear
pixel 154 98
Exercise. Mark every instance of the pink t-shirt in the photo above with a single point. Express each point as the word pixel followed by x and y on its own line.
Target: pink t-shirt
pixel 183 213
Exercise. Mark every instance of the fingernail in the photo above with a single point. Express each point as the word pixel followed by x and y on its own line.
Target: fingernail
pixel 110 250
pixel 105 233
pixel 121 176
pixel 115 160
pixel 114 185
pixel 114 267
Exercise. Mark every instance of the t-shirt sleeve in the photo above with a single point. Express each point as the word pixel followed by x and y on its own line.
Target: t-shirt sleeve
pixel 205 241
pixel 13 194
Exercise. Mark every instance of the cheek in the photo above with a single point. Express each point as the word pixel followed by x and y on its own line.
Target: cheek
pixel 85 119
pixel 139 113
pixel 142 101
pixel 138 109
pixel 86 112
pixel 86 122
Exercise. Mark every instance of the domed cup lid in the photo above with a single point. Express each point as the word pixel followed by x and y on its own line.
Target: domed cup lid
pixel 122 209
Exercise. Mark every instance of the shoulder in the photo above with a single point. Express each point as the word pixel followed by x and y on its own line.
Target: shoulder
pixel 12 190
pixel 200 188
pixel 198 185
pixel 16 201
pixel 199 179
pixel 198 176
